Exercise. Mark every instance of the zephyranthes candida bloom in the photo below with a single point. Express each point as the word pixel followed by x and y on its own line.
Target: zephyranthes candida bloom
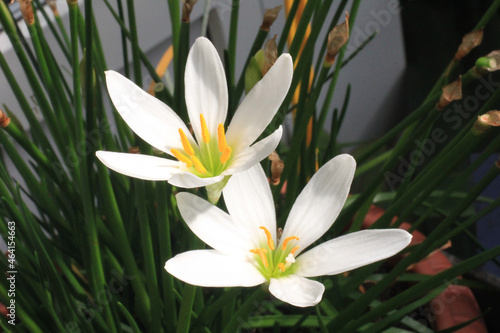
pixel 246 251
pixel 215 153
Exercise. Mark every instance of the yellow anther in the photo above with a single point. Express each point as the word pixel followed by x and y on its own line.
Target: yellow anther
pixel 181 157
pixel 294 250
pixel 204 129
pixel 262 254
pixel 185 143
pixel 222 138
pixel 198 165
pixel 226 154
pixel 285 242
pixel 281 266
pixel 270 242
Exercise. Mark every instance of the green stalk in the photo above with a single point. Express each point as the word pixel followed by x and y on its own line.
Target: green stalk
pixel 286 28
pixel 231 48
pixel 184 320
pixel 245 309
pixel 97 278
pixel 134 39
pixel 124 39
pixel 182 53
pixel 163 192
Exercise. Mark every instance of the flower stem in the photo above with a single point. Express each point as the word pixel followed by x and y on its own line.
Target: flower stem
pixel 245 310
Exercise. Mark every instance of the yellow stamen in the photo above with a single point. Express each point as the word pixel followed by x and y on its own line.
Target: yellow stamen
pixel 185 143
pixel 222 138
pixel 261 253
pixel 204 129
pixel 281 266
pixel 294 250
pixel 181 157
pixel 285 242
pixel 270 242
pixel 198 165
pixel 226 154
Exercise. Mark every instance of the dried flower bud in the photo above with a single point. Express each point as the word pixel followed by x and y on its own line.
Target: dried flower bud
pixel 186 9
pixel 4 120
pixel 336 40
pixel 277 166
pixel 134 150
pixel 72 2
pixel 269 17
pixel 470 41
pixel 451 92
pixel 486 121
pixel 27 11
pixel 53 6
pixel 270 55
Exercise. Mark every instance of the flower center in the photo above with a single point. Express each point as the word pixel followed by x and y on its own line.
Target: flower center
pixel 272 262
pixel 209 157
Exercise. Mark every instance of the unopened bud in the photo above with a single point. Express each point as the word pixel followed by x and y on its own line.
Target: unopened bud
pixel 451 92
pixel 27 11
pixel 270 55
pixel 277 166
pixel 4 120
pixel 470 41
pixel 337 38
pixel 186 9
pixel 488 63
pixel 269 17
pixel 260 64
pixel 486 121
pixel 9 2
pixel 53 6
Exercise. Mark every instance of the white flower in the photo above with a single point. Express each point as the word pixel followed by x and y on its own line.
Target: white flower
pixel 245 249
pixel 214 154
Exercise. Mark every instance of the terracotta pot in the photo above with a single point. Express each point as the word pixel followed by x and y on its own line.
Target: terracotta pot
pixel 456 304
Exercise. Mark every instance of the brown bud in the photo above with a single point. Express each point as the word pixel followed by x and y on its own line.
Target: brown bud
pixel 451 92
pixel 53 6
pixel 336 40
pixel 486 121
pixel 470 41
pixel 277 166
pixel 269 17
pixel 72 2
pixel 186 9
pixel 27 11
pixel 270 55
pixel 4 120
pixel 134 150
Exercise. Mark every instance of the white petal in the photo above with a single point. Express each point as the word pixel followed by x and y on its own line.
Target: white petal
pixel 147 116
pixel 189 180
pixel 351 251
pixel 139 166
pixel 209 268
pixel 250 203
pixel 256 153
pixel 321 201
pixel 297 290
pixel 260 105
pixel 206 87
pixel 213 226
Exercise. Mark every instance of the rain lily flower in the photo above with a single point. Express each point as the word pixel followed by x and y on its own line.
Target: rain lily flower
pixel 216 153
pixel 246 251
